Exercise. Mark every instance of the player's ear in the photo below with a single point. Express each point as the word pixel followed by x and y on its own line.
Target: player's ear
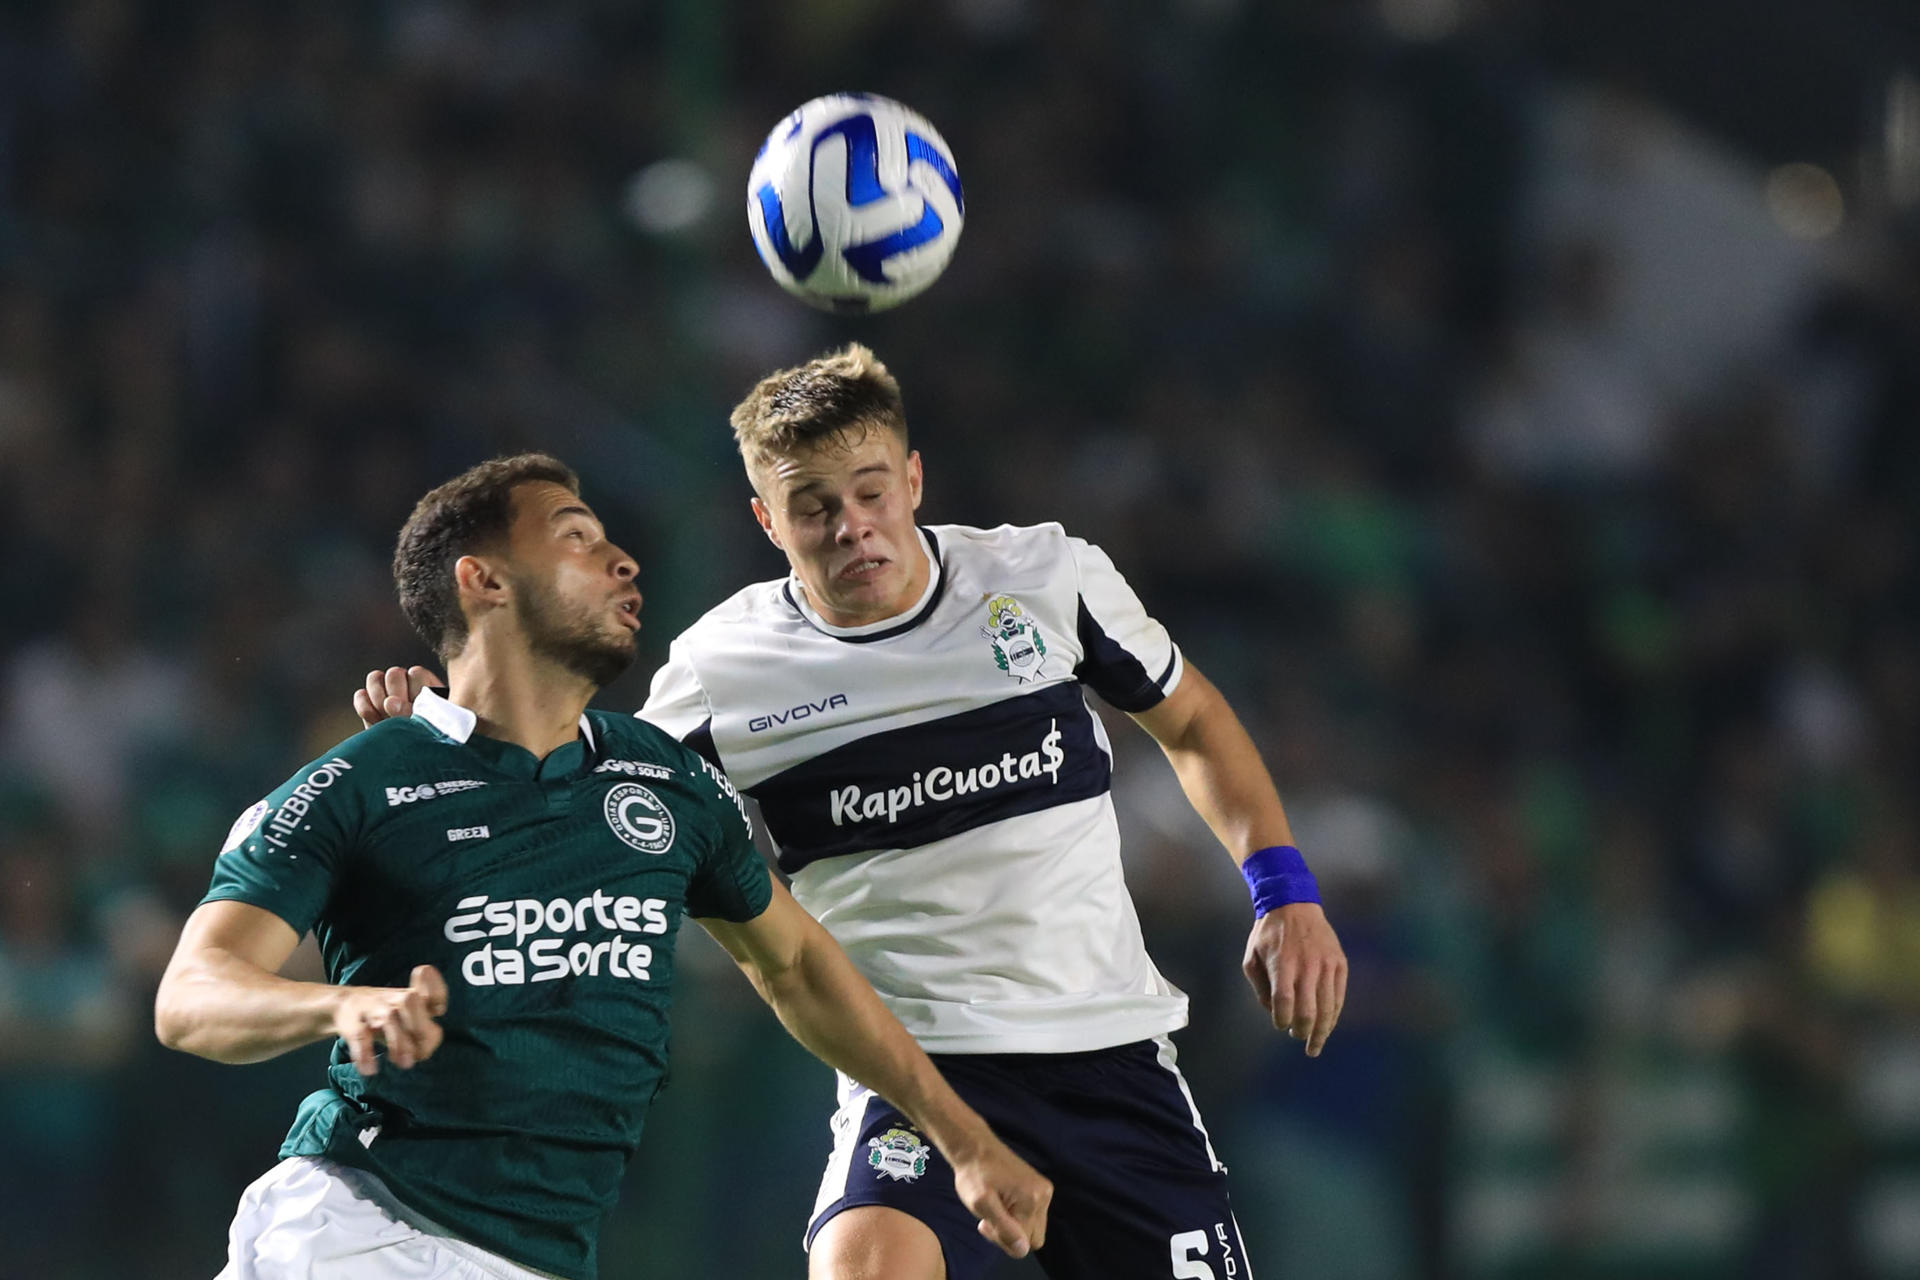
pixel 479 580
pixel 765 518
pixel 913 477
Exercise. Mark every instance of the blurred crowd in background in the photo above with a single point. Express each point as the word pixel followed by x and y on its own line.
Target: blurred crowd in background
pixel 1533 464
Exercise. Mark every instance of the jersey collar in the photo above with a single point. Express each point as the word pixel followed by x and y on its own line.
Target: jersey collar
pixel 886 627
pixel 458 722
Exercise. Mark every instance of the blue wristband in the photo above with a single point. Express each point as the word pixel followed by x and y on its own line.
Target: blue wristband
pixel 1278 877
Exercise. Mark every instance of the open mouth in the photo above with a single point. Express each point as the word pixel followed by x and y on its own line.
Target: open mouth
pixel 861 570
pixel 629 611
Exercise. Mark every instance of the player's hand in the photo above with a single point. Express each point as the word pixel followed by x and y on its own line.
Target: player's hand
pixel 402 1018
pixel 389 694
pixel 1298 970
pixel 1007 1194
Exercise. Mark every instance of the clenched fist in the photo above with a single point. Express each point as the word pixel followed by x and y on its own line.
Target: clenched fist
pixel 402 1018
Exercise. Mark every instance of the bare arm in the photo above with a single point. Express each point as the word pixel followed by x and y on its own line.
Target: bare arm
pixel 1218 766
pixel 222 997
pixel 830 1008
pixel 1293 957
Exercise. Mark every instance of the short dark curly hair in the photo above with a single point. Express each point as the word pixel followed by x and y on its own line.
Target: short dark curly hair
pixel 469 513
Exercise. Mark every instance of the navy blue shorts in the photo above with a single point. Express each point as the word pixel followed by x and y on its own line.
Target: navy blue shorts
pixel 1137 1193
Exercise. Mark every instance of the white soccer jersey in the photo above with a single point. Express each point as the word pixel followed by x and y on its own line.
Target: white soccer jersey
pixel 938 788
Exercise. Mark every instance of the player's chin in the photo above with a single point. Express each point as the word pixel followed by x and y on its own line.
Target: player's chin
pixel 608 660
pixel 624 645
pixel 879 588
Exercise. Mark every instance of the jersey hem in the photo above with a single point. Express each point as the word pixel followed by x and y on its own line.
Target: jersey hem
pixel 371 1186
pixel 1107 1035
pixel 404 1205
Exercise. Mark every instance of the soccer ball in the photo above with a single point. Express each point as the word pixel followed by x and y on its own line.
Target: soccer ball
pixel 854 203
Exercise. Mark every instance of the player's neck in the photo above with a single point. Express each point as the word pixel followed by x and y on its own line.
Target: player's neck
pixel 518 697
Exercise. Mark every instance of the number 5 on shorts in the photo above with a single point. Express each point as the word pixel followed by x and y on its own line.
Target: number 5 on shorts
pixel 1188 1248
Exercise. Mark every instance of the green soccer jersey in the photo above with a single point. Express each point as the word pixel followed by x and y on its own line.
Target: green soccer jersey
pixel 548 893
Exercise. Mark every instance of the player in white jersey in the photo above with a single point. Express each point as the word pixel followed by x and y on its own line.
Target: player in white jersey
pixel 908 709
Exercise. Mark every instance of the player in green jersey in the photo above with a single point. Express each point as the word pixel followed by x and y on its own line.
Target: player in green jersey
pixel 496 883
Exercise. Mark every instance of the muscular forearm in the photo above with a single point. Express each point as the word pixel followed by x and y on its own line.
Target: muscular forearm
pixel 830 1008
pixel 1293 958
pixel 216 1005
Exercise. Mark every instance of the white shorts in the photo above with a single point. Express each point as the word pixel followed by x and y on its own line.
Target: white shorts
pixel 311 1219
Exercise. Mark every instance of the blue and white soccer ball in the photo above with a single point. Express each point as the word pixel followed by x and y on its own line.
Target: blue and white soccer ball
pixel 854 203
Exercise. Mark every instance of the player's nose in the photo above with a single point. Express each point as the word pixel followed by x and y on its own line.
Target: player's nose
pixel 624 566
pixel 854 526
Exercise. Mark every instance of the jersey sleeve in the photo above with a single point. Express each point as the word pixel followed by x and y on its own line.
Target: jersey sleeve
pixel 284 852
pixel 677 704
pixel 1127 657
pixel 733 882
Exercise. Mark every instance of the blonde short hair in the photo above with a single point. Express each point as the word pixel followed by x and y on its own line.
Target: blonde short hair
pixel 847 392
